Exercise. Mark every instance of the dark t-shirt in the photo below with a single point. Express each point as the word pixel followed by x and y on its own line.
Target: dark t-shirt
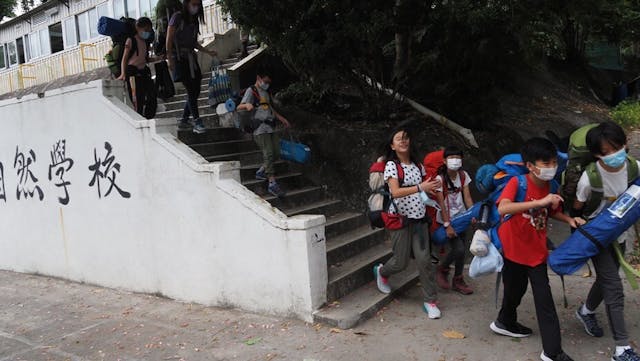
pixel 186 36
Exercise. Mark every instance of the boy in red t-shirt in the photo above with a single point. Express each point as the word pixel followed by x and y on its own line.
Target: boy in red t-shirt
pixel 524 245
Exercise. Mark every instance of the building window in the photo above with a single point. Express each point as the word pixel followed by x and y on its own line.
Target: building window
pixel 13 53
pixel 56 40
pixel 132 8
pixel 70 38
pixel 84 33
pixel 3 58
pixel 45 47
pixel 118 9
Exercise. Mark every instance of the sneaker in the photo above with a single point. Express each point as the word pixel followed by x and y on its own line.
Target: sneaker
pixel 458 284
pixel 560 357
pixel 382 282
pixel 184 124
pixel 590 323
pixel 198 127
pixel 442 277
pixel 516 330
pixel 275 189
pixel 628 355
pixel 432 310
pixel 261 175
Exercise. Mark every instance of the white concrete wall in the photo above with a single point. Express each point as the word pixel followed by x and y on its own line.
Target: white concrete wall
pixel 189 230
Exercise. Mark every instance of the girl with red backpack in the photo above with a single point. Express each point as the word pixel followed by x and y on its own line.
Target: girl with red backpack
pixel 453 197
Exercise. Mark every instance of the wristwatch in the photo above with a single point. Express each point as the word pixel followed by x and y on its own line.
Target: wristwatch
pixel 446 224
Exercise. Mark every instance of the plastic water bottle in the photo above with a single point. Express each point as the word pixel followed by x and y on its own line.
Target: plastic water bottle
pixel 625 202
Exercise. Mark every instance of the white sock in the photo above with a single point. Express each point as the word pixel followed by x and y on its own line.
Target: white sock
pixel 621 349
pixel 585 311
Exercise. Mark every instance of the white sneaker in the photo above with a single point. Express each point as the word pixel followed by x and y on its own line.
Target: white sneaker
pixel 382 282
pixel 432 310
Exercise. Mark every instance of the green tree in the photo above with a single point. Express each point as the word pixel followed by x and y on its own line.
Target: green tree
pixel 6 8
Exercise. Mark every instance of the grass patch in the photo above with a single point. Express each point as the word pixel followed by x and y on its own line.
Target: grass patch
pixel 627 114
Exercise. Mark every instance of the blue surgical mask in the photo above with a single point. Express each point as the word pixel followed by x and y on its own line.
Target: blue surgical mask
pixel 146 35
pixel 616 159
pixel 264 86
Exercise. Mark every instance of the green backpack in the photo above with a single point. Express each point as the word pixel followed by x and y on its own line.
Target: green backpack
pixel 579 159
pixel 595 180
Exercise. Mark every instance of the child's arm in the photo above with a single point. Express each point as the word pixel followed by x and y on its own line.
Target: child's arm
pixel 247 101
pixel 281 118
pixel 574 222
pixel 125 57
pixel 468 201
pixel 399 192
pixel 507 206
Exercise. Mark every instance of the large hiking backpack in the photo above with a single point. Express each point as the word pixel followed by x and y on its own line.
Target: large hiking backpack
pixel 164 10
pixel 119 31
pixel 579 157
pixel 432 163
pixel 493 177
pixel 380 199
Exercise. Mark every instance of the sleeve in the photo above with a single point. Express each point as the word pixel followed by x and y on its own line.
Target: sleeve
pixel 467 179
pixel 175 19
pixel 583 191
pixel 510 190
pixel 248 97
pixel 390 171
pixel 439 189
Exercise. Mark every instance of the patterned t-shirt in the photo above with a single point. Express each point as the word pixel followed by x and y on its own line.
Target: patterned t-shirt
pixel 410 206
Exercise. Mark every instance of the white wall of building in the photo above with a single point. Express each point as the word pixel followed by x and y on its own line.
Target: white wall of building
pixel 189 229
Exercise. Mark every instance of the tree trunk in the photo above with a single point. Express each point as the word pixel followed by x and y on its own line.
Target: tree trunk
pixel 403 45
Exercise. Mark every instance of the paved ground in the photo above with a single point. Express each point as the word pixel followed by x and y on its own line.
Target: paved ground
pixel 50 319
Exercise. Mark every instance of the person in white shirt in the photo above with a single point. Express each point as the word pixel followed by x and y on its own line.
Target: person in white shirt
pixel 453 197
pixel 607 142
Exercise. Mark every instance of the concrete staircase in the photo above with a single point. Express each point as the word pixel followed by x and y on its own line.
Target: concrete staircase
pixel 353 248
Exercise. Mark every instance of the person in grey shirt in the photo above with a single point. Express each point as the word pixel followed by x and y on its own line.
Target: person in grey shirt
pixel 257 98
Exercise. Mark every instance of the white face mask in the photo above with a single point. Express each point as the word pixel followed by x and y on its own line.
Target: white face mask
pixel 547 174
pixel 454 164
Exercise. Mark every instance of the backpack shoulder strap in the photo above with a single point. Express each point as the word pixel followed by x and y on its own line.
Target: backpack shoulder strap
pixel 554 186
pixel 595 179
pixel 632 169
pixel 521 193
pixel 400 171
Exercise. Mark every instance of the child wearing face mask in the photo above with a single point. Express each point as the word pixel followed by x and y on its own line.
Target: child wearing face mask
pixel 134 70
pixel 616 169
pixel 524 244
pixel 453 197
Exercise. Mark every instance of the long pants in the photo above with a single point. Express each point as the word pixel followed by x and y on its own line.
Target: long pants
pixel 456 254
pixel 191 77
pixel 515 278
pixel 269 144
pixel 138 86
pixel 608 288
pixel 413 237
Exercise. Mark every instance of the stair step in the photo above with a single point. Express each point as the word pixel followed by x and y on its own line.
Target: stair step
pixel 242 157
pixel 225 147
pixel 177 113
pixel 349 244
pixel 364 302
pixel 249 171
pixel 218 134
pixel 287 181
pixel 174 104
pixel 355 271
pixel 342 222
pixel 296 197
pixel 327 206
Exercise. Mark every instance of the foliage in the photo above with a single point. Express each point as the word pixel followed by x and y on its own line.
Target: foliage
pixel 627 113
pixel 449 55
pixel 6 8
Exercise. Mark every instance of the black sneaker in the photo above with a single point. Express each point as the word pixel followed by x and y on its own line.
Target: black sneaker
pixel 590 323
pixel 560 357
pixel 628 355
pixel 516 330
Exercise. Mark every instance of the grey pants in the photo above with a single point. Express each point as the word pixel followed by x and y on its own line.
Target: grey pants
pixel 413 237
pixel 608 288
pixel 269 144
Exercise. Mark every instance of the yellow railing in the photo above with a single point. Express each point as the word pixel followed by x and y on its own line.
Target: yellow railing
pixel 89 56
